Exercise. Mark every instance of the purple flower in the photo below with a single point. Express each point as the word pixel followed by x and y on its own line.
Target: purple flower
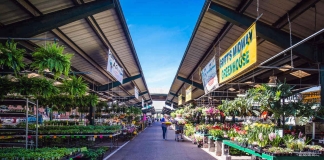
pixel 293 133
pixel 300 135
pixel 272 136
pixel 260 137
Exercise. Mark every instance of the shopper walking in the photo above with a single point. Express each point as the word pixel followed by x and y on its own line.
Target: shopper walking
pixel 164 126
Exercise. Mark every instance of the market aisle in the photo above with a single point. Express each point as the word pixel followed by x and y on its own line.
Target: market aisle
pixel 149 145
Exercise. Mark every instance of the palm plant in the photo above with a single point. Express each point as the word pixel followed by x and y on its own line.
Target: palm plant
pixel 12 57
pixel 51 57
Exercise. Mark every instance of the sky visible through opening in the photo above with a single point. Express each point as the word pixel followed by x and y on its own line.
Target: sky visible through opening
pixel 161 30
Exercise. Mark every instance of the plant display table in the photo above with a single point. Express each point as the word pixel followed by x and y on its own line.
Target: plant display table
pixel 204 139
pixel 211 144
pixel 269 157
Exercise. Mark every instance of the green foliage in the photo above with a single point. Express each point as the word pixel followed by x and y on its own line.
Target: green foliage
pixel 25 86
pixel 134 110
pixel 66 102
pixel 94 154
pixel 35 86
pixel 216 133
pixel 190 130
pixel 5 86
pixel 74 87
pixel 12 57
pixel 51 57
pixel 74 129
pixel 42 153
pixel 173 114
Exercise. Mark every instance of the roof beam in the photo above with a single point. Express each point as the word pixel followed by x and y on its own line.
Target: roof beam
pixel 297 10
pixel 169 102
pixel 139 103
pixel 110 85
pixel 140 94
pixel 37 25
pixel 173 94
pixel 103 39
pixel 269 33
pixel 195 84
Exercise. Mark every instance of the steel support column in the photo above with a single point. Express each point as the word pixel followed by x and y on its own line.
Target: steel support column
pixel 322 83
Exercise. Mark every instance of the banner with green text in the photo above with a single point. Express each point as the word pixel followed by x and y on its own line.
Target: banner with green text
pixel 240 56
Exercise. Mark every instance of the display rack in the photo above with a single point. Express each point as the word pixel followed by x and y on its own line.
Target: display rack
pixel 21 102
pixel 266 156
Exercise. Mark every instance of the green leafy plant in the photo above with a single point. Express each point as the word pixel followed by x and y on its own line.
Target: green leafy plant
pixel 5 86
pixel 51 57
pixel 11 56
pixel 216 133
pixel 74 87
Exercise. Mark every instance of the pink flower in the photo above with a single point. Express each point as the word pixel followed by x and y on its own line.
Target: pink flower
pixel 300 135
pixel 272 136
pixel 260 137
pixel 293 133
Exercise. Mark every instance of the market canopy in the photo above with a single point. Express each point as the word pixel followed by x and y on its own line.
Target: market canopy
pixel 88 29
pixel 220 25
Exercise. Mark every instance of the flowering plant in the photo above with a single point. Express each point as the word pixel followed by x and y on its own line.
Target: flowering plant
pixel 211 111
pixel 181 122
pixel 274 139
pixel 263 140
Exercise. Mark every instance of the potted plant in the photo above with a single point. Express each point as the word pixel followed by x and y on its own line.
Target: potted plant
pixel 74 86
pixel 11 56
pixel 51 57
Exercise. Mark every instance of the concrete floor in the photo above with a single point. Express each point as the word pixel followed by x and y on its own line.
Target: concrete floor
pixel 149 145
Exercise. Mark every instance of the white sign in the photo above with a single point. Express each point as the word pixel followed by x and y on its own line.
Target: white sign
pixel 114 69
pixel 148 113
pixel 171 105
pixel 142 101
pixel 209 76
pixel 136 92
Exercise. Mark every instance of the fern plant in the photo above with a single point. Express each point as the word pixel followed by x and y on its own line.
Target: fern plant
pixel 5 86
pixel 34 87
pixel 51 57
pixel 74 87
pixel 11 56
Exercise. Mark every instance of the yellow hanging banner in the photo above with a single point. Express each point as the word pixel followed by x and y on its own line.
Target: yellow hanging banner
pixel 240 56
pixel 188 93
pixel 180 99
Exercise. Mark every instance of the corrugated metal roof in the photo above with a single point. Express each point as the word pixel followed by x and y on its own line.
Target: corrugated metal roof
pixel 80 38
pixel 11 13
pixel 209 25
pixel 48 6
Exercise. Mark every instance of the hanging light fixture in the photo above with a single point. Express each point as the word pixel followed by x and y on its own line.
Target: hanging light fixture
pixel 231 89
pixel 272 81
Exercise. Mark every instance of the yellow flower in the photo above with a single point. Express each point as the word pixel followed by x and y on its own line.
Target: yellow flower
pixel 246 128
